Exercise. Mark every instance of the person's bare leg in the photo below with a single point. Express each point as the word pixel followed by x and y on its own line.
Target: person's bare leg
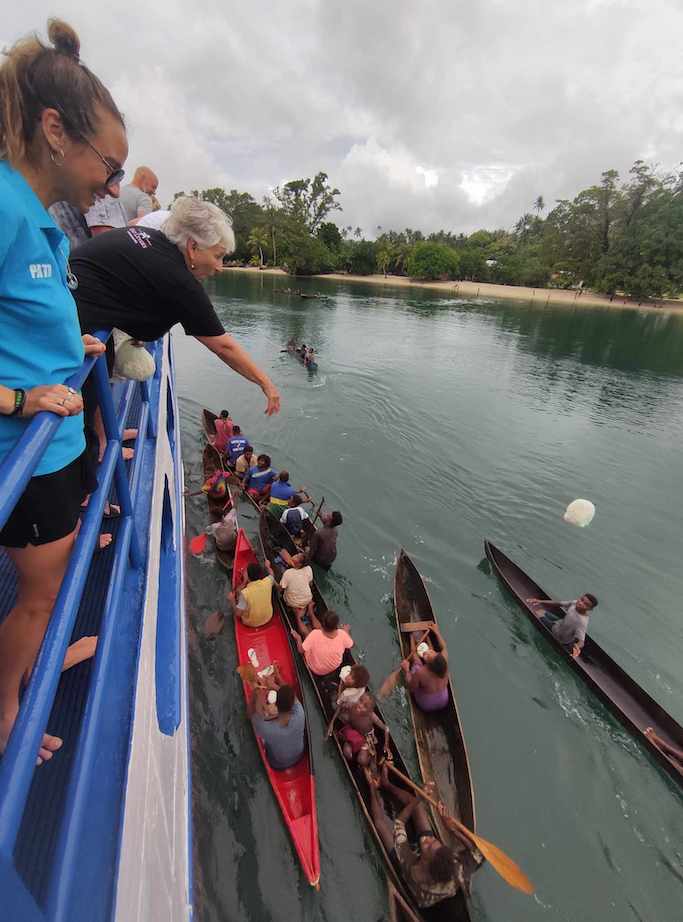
pixel 286 556
pixel 383 824
pixel 129 435
pixel 363 757
pixel 105 539
pixel 101 434
pixel 79 652
pixel 40 572
pixel 127 453
pixel 399 794
pixel 301 626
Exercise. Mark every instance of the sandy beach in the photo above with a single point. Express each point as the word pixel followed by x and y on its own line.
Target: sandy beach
pixel 540 296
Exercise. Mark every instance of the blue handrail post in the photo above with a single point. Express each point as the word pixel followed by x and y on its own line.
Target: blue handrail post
pixel 113 435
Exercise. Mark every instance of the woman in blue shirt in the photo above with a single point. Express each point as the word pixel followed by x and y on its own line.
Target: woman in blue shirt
pixel 62 138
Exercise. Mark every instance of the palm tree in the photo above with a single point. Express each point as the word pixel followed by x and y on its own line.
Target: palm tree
pixel 258 239
pixel 539 204
pixel 358 233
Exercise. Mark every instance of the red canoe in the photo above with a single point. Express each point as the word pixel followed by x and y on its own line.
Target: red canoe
pixel 294 788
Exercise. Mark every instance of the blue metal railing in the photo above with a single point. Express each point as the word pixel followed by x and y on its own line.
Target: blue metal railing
pixel 18 762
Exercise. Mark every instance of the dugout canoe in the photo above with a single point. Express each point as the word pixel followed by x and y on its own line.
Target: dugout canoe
pixel 311 366
pixel 454 909
pixel 213 460
pixel 623 696
pixel 217 506
pixel 294 788
pixel 209 423
pixel 439 739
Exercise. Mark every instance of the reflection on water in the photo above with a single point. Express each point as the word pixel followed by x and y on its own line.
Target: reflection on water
pixel 434 422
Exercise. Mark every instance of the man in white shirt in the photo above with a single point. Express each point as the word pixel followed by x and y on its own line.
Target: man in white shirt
pixel 106 213
pixel 135 197
pixel 154 219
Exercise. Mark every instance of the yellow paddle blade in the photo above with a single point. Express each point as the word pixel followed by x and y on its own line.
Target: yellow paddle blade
pixel 508 869
pixel 389 684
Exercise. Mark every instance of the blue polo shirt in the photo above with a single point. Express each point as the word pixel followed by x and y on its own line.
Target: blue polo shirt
pixel 40 337
pixel 256 479
pixel 280 493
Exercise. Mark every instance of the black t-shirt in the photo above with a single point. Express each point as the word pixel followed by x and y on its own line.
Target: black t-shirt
pixel 135 279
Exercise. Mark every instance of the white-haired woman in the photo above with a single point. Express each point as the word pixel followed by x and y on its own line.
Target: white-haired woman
pixel 144 281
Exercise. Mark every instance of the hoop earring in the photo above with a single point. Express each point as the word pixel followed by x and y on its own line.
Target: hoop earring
pixel 54 159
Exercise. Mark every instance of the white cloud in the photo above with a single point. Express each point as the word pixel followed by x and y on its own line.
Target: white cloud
pixel 457 126
pixel 483 183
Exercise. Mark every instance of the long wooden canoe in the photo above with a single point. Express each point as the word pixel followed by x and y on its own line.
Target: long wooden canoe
pixel 209 423
pixel 625 698
pixel 294 788
pixel 312 366
pixel 439 740
pixel 211 462
pixel 454 909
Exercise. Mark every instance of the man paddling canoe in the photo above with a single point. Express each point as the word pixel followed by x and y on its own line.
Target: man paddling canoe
pixel 568 621
pixel 433 873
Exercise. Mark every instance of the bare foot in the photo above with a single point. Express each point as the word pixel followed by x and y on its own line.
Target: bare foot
pixel 105 541
pixel 127 453
pixel 48 747
pixel 129 434
pixel 79 651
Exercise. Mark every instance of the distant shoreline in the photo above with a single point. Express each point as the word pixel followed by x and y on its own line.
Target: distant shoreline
pixel 541 296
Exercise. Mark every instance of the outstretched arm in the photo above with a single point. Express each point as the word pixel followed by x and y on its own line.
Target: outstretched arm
pixel 546 603
pixel 229 351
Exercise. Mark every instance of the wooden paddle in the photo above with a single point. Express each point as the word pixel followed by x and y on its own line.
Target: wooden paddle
pixel 508 869
pixel 392 680
pixel 317 514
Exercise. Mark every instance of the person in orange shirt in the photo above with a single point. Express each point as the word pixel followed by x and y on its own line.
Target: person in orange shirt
pixel 323 646
pixel 224 427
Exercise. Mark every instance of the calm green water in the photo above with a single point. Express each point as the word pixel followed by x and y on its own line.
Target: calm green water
pixel 433 423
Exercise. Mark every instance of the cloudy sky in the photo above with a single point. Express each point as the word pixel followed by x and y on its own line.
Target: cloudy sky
pixel 425 113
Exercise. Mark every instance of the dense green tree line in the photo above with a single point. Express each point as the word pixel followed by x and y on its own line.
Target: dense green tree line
pixel 617 236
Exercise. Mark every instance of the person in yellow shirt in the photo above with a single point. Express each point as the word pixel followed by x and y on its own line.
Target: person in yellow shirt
pixel 245 462
pixel 253 599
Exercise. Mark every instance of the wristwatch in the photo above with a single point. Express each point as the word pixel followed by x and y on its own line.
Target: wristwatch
pixel 19 401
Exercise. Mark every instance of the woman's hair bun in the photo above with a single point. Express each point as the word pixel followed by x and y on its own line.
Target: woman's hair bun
pixel 64 39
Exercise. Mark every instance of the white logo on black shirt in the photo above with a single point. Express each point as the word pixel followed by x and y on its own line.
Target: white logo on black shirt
pixel 140 237
pixel 40 270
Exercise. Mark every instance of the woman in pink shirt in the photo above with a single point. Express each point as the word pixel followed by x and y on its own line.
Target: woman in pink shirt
pixel 223 425
pixel 323 647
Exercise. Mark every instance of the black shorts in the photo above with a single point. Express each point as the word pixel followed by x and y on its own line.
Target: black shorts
pixel 49 507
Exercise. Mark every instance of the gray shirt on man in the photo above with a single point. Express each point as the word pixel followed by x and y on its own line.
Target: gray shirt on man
pixel 106 212
pixel 135 202
pixel 572 627
pixel 284 745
